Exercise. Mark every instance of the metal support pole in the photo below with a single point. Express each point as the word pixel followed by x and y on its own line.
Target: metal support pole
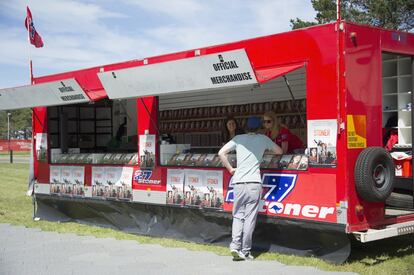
pixel 8 137
pixel 412 120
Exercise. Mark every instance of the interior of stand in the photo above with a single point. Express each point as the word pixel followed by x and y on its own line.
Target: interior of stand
pixel 195 121
pixel 397 102
pixel 103 132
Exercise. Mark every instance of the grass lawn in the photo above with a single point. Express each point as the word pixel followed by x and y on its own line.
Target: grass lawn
pixel 15 154
pixel 390 256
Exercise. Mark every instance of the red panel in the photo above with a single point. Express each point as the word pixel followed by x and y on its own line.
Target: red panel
pixel 264 75
pixel 159 174
pixel 364 97
pixel 147 110
pixel 343 76
pixel 41 169
pixel 306 200
pixel 19 145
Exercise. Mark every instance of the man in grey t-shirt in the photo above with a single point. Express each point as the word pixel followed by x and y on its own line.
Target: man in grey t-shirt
pixel 247 190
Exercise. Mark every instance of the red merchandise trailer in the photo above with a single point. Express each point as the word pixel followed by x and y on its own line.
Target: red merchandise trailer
pixel 134 145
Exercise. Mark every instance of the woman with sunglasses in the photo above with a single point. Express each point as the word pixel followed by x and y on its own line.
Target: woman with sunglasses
pixel 281 135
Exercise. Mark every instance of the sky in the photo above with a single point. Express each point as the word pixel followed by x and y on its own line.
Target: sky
pixel 79 34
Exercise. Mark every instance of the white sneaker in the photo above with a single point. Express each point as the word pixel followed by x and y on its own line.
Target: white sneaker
pixel 248 256
pixel 237 255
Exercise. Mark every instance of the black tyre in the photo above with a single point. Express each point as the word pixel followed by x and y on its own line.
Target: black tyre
pixel 400 200
pixel 374 174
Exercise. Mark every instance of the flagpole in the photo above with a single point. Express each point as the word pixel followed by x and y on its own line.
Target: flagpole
pixel 338 10
pixel 28 49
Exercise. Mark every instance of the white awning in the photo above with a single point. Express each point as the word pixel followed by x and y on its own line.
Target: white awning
pixel 214 71
pixel 54 93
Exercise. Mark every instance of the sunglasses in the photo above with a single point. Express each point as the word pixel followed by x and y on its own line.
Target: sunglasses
pixel 267 121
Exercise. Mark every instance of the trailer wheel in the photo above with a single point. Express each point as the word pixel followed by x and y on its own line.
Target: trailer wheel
pixel 374 174
pixel 400 200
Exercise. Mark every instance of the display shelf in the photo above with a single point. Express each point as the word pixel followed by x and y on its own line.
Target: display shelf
pixel 85 124
pixel 397 95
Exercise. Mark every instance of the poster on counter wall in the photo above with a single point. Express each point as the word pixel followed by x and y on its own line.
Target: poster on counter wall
pixel 124 184
pixel 175 186
pixel 98 182
pixel 112 176
pixel 67 180
pixel 112 182
pixel 214 183
pixel 195 188
pixel 55 179
pixel 322 136
pixel 147 151
pixel 41 147
pixel 78 176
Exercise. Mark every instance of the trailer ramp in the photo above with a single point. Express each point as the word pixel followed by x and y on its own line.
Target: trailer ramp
pixel 387 232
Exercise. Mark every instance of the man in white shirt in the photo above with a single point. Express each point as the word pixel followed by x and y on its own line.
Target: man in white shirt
pixel 247 190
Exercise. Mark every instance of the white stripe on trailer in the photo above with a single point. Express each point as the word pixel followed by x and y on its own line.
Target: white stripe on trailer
pixel 387 232
pixel 149 196
pixel 42 188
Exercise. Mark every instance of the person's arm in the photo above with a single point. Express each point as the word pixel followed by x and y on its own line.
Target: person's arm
pixel 284 137
pixel 229 146
pixel 273 147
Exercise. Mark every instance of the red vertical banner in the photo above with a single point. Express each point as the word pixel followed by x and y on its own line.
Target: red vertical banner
pixel 147 121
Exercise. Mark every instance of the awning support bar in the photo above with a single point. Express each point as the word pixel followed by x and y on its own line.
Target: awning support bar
pixel 294 100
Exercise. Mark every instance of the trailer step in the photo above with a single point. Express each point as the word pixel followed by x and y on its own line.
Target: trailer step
pixel 387 232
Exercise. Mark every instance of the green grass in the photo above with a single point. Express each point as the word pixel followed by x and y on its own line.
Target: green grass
pixel 390 256
pixel 15 154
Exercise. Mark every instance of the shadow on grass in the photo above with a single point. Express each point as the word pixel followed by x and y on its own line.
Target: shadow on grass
pixel 376 252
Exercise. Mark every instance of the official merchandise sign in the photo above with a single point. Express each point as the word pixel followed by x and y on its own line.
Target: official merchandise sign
pixel 175 186
pixel 55 93
pixel 322 135
pixel 219 70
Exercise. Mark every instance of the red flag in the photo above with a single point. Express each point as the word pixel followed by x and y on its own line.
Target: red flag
pixel 35 38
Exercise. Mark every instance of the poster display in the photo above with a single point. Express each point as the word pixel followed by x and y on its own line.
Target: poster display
pixel 67 180
pixel 147 151
pixel 200 188
pixel 124 184
pixel 175 186
pixel 112 182
pixel 55 179
pixel 78 177
pixel 41 147
pixel 98 180
pixel 214 182
pixel 195 188
pixel 322 142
